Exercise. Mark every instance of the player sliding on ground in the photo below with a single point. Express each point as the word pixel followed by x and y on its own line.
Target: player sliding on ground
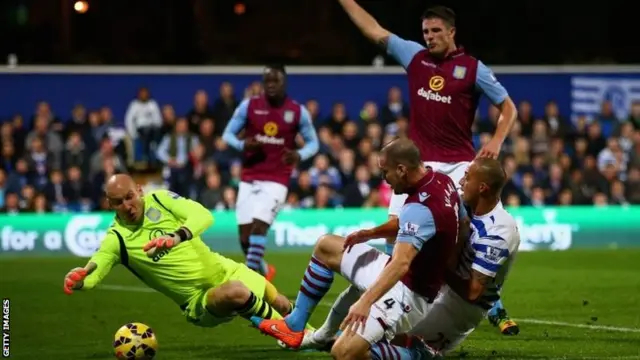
pixel 473 278
pixel 157 237
pixel 398 291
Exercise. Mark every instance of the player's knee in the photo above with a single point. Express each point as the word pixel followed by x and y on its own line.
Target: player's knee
pixel 259 227
pixel 328 249
pixel 232 292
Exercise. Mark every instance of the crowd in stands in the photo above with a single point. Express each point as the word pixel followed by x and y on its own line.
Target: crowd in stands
pixel 59 162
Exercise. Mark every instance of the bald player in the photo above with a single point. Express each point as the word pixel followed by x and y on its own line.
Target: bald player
pixel 397 291
pixel 156 236
pixel 473 278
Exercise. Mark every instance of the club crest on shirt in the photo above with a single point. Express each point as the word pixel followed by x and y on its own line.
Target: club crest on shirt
pixel 153 214
pixel 459 72
pixel 288 116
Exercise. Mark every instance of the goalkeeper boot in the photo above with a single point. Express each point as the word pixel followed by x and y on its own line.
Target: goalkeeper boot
pixel 504 323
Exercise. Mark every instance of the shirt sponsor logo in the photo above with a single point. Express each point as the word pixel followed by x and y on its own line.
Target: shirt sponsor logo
pixel 270 130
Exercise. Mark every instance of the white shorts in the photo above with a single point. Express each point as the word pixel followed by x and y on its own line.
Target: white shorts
pixel 454 170
pixel 449 321
pixel 261 200
pixel 397 311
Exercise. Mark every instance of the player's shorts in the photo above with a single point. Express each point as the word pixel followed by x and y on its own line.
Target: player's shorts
pixel 454 170
pixel 196 310
pixel 449 321
pixel 397 311
pixel 261 200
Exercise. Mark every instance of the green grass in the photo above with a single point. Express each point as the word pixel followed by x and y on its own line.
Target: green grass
pixel 594 288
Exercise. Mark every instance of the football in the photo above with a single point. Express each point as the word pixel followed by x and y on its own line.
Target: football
pixel 135 341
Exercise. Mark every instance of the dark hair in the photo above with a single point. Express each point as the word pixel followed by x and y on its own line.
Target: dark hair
pixel 441 12
pixel 277 67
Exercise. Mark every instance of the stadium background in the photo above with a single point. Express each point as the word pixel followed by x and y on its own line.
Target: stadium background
pixel 573 157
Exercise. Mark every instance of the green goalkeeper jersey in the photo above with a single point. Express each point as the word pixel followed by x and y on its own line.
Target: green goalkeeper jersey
pixel 179 273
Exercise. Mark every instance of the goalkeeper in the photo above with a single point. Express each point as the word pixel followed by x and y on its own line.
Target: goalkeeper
pixel 157 238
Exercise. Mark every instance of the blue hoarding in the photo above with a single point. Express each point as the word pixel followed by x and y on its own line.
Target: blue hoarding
pixel 580 91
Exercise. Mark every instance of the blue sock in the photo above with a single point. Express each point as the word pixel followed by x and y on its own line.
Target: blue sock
pixel 315 284
pixel 382 350
pixel 264 267
pixel 256 252
pixel 497 306
pixel 388 249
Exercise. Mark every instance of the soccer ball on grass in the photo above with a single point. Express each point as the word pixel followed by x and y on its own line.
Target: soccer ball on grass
pixel 135 341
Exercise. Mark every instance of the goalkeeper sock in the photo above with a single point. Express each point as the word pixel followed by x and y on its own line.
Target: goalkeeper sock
pixel 316 282
pixel 338 312
pixel 256 252
pixel 256 306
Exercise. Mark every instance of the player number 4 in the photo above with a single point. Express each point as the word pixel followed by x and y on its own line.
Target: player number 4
pixel 389 303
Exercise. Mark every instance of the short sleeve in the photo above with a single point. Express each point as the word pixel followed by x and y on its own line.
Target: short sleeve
pixel 416 225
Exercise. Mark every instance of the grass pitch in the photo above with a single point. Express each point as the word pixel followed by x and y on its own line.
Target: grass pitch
pixel 571 305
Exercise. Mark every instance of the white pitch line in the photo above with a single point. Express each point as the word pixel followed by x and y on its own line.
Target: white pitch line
pixel 328 304
pixel 582 326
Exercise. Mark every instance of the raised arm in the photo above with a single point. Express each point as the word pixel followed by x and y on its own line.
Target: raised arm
pixel 402 50
pixel 235 125
pixel 97 267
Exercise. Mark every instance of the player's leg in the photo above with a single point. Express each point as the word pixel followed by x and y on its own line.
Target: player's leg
pixel 498 317
pixel 395 204
pixel 244 214
pixel 326 259
pixel 235 298
pixel 324 337
pixel 269 197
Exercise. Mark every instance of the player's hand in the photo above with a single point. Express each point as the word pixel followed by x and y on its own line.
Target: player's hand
pixel 161 244
pixel 252 144
pixel 357 317
pixel 357 237
pixel 74 280
pixel 491 149
pixel 290 157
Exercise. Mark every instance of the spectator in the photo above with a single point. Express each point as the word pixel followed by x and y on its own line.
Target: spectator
pixel 19 178
pixel 394 108
pixel 314 110
pixel 11 204
pixel 525 118
pixel 3 187
pixel 358 191
pixel 201 110
pixel 322 173
pixel 106 153
pixel 224 107
pixel 50 140
pixel 337 119
pixel 556 124
pixel 175 152
pixel 78 121
pixel 211 195
pixel 75 153
pixel 143 121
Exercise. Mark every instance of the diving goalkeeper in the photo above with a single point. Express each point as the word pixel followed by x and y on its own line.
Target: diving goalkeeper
pixel 156 236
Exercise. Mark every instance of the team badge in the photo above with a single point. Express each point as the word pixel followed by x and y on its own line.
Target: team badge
pixel 459 72
pixel 288 116
pixel 153 214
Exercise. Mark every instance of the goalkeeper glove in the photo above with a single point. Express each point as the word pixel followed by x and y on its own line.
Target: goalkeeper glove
pixel 74 280
pixel 167 241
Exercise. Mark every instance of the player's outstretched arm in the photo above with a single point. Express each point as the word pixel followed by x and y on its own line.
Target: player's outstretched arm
pixel 402 50
pixel 97 267
pixel 487 82
pixel 235 125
